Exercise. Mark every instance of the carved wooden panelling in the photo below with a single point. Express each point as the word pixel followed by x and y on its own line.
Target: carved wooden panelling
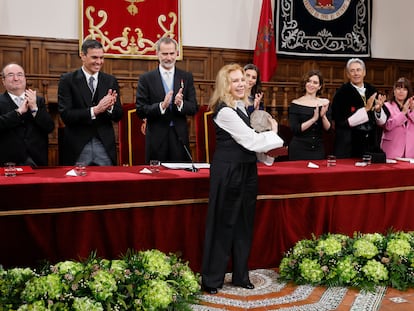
pixel 45 59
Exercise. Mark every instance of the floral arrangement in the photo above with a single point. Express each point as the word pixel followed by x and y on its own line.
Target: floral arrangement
pixel 146 280
pixel 363 261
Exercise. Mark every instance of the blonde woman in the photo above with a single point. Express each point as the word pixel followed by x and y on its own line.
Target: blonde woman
pixel 233 182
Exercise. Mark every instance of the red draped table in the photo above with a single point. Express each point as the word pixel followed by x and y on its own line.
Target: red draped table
pixel 46 215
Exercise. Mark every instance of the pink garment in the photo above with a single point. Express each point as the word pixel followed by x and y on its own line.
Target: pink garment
pixel 398 133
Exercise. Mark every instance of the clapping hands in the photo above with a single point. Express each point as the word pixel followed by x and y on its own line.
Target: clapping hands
pixel 374 103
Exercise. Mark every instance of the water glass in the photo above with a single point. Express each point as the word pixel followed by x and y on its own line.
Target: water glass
pixel 155 166
pixel 10 169
pixel 80 169
pixel 367 158
pixel 331 160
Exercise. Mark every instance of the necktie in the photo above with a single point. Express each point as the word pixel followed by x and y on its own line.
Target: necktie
pixel 168 79
pixel 90 84
pixel 19 101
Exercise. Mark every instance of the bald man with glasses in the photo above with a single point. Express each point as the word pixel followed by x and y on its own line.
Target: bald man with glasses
pixel 24 121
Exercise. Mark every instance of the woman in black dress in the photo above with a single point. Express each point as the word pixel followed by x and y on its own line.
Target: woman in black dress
pixel 253 88
pixel 233 182
pixel 309 116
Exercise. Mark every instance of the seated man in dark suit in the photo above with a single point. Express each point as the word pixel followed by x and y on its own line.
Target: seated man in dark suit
pixel 88 104
pixel 24 121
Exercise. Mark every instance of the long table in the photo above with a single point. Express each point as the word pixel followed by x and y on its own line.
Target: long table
pixel 47 215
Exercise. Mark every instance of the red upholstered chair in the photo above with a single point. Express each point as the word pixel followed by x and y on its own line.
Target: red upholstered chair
pixel 131 139
pixel 205 134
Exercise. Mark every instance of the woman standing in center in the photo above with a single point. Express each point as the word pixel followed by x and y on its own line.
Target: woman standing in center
pixel 309 116
pixel 233 182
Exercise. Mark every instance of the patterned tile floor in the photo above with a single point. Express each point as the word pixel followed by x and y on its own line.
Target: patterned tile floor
pixel 269 294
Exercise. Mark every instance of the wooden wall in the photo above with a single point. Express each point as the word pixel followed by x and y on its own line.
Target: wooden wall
pixel 45 59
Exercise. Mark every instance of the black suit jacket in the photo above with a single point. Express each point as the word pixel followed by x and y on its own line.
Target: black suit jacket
pixel 150 92
pixel 352 141
pixel 25 135
pixel 74 102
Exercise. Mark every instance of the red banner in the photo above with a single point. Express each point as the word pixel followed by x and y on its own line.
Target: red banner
pixel 130 28
pixel 265 52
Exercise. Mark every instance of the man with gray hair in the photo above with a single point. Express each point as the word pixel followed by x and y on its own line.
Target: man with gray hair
pixel 165 97
pixel 357 114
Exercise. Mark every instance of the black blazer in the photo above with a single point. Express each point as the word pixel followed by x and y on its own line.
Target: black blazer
pixel 74 103
pixel 25 135
pixel 150 92
pixel 353 142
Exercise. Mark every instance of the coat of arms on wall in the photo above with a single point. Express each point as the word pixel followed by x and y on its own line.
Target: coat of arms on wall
pixel 130 28
pixel 332 28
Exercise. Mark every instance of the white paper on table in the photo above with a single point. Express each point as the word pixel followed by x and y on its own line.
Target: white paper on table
pixel 404 159
pixel 313 165
pixel 409 160
pixel 390 161
pixel 185 165
pixel 71 173
pixel 360 164
pixel 145 171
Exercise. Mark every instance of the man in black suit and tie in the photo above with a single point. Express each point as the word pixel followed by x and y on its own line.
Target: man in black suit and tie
pixel 88 104
pixel 165 97
pixel 24 121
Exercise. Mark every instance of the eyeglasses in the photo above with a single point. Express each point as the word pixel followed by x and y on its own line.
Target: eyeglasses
pixel 12 75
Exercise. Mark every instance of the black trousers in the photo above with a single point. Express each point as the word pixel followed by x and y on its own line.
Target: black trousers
pixel 230 221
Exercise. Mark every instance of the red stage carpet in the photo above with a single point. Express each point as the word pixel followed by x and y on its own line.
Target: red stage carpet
pixel 269 294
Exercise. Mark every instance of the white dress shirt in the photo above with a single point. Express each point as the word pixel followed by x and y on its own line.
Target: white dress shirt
pixel 228 119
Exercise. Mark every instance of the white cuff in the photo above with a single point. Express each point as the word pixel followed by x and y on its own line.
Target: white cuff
pixel 161 109
pixel 360 116
pixel 93 117
pixel 264 158
pixel 382 118
pixel 180 107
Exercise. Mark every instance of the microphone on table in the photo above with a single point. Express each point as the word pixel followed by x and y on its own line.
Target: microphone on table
pixel 192 168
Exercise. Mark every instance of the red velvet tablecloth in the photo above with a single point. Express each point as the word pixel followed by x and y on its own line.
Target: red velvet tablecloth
pixel 48 215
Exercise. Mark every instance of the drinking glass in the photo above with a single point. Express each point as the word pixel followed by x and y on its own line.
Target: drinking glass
pixel 331 160
pixel 10 169
pixel 80 169
pixel 155 166
pixel 367 158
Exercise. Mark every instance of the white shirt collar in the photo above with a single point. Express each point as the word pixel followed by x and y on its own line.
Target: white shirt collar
pixel 240 104
pixel 88 75
pixel 361 90
pixel 14 97
pixel 163 70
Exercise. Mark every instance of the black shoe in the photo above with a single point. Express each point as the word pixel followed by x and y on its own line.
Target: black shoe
pixel 210 290
pixel 246 285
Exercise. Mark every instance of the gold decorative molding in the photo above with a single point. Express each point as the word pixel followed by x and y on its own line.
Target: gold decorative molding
pixel 138 36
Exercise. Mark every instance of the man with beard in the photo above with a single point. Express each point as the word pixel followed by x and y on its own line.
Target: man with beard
pixel 165 97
